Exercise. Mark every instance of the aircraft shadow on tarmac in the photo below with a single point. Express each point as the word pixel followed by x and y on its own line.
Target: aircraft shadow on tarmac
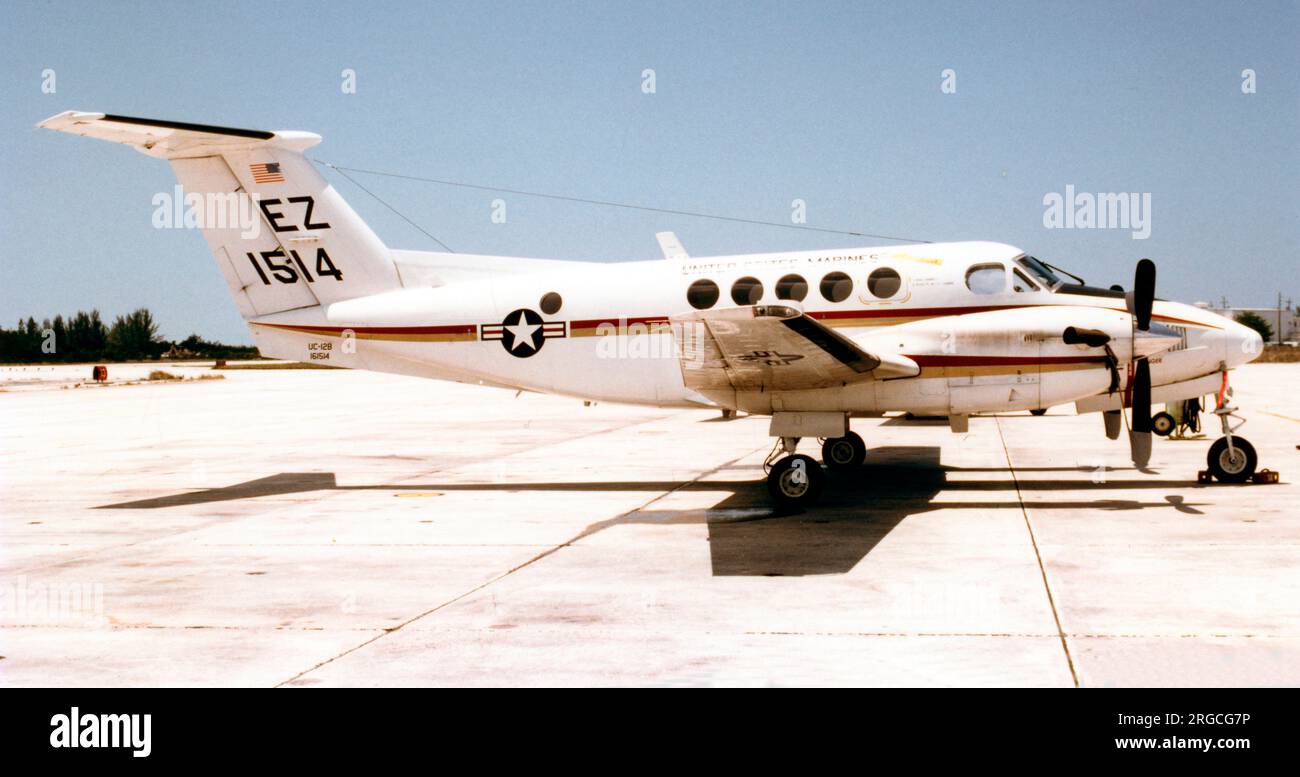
pixel 746 537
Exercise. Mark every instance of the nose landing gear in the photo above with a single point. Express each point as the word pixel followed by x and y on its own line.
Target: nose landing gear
pixel 1232 459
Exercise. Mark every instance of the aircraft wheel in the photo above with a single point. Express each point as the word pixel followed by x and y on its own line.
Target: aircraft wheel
pixel 842 453
pixel 1039 411
pixel 1232 466
pixel 1163 424
pixel 795 481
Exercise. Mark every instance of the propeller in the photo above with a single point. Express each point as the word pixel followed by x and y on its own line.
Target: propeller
pixel 1139 302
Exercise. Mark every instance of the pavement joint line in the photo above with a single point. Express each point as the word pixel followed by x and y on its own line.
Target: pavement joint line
pixel 1051 601
pixel 72 562
pixel 587 532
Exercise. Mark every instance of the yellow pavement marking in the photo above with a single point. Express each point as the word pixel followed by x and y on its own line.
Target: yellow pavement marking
pixel 1279 415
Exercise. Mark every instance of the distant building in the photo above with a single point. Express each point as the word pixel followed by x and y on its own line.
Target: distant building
pixel 1284 320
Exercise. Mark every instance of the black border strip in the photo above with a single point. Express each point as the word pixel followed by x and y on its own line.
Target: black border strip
pixel 180 125
pixel 831 343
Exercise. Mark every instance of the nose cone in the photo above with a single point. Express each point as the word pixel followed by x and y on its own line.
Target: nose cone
pixel 1242 344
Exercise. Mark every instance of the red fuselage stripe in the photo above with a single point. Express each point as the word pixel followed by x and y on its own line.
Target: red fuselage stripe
pixel 456 329
pixel 944 360
pixel 826 315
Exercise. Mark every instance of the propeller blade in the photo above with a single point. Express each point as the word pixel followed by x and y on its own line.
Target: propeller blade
pixel 1113 420
pixel 1142 397
pixel 1140 445
pixel 1139 436
pixel 1143 296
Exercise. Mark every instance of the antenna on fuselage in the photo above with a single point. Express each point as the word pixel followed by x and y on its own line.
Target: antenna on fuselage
pixel 671 246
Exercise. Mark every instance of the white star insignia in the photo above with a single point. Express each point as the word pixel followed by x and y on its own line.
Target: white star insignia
pixel 523 333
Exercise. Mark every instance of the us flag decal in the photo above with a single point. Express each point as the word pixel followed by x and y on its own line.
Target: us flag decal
pixel 266 172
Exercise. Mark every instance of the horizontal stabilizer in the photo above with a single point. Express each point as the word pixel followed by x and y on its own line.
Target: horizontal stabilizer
pixel 173 139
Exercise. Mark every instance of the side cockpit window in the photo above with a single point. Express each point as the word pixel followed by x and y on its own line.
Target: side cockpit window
pixel 988 278
pixel 1021 283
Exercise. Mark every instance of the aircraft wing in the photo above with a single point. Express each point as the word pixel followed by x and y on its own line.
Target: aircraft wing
pixel 774 347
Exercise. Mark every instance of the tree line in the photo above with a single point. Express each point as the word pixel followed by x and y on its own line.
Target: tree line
pixel 85 337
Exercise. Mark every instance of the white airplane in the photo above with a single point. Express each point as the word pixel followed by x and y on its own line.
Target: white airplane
pixel 810 338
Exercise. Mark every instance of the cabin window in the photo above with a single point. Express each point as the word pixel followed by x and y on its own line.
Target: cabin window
pixel 550 303
pixel 884 282
pixel 747 291
pixel 987 279
pixel 836 286
pixel 792 287
pixel 702 294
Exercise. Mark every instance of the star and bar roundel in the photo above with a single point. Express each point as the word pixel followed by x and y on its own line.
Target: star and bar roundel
pixel 523 332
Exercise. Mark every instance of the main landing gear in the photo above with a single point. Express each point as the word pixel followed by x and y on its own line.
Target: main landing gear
pixel 1163 424
pixel 796 481
pixel 847 452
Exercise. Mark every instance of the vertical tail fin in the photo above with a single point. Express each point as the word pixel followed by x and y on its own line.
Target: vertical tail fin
pixel 282 236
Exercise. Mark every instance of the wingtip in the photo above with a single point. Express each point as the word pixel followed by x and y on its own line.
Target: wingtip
pixel 67 118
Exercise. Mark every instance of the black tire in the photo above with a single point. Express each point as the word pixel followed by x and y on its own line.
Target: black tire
pixel 784 484
pixel 1039 411
pixel 844 453
pixel 1163 424
pixel 1226 468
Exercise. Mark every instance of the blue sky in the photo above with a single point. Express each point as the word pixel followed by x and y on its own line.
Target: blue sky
pixel 756 104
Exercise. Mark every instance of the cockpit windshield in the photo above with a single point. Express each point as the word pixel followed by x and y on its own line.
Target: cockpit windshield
pixel 1040 271
pixel 1047 274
